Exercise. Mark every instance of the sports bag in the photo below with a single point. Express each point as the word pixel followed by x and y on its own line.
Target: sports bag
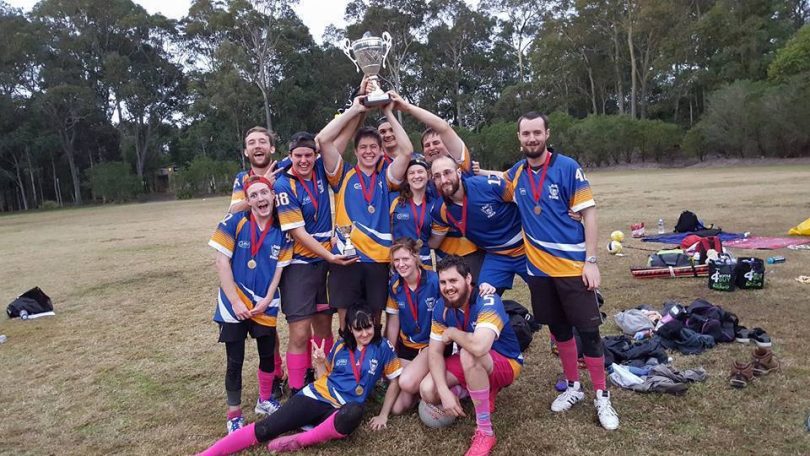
pixel 669 257
pixel 688 222
pixel 523 323
pixel 750 273
pixel 722 274
pixel 33 301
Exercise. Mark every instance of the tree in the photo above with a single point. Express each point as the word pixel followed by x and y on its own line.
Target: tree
pixel 792 59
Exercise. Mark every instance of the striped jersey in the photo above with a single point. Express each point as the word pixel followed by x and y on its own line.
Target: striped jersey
pixel 484 312
pixel 408 218
pixel 296 209
pixel 370 228
pixel 493 224
pixel 414 329
pixel 232 239
pixel 339 387
pixel 238 193
pixel 555 243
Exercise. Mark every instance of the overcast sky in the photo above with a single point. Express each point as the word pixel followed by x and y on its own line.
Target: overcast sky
pixel 316 14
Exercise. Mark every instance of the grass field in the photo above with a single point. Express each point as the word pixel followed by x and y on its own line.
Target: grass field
pixel 130 364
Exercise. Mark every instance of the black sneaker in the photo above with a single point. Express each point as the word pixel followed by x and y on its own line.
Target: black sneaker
pixel 760 337
pixel 278 388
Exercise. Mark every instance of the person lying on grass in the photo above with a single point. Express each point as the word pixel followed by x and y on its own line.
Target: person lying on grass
pixel 334 403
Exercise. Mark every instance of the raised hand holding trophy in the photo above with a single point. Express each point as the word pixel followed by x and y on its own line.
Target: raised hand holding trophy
pixel 369 56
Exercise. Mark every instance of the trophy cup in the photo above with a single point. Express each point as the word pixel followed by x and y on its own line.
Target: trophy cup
pixel 369 55
pixel 348 247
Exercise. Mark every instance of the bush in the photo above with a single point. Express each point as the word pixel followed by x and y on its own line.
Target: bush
pixel 113 181
pixel 205 176
pixel 49 205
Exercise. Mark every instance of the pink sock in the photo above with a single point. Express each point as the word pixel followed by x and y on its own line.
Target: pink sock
pixel 323 432
pixel 233 443
pixel 568 358
pixel 265 384
pixel 234 414
pixel 480 399
pixel 279 368
pixel 297 369
pixel 596 368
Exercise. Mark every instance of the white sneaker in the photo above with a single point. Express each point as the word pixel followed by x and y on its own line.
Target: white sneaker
pixel 234 424
pixel 568 398
pixel 608 417
pixel 267 407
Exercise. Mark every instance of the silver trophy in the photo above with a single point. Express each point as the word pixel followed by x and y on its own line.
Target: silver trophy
pixel 369 56
pixel 348 247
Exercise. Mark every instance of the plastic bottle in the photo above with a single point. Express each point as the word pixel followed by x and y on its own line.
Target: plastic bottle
pixel 2 338
pixel 660 226
pixel 23 315
pixel 776 259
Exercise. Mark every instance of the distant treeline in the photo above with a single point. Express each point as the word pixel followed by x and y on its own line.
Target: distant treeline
pixel 101 101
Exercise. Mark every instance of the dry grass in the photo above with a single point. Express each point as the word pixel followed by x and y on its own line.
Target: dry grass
pixel 130 365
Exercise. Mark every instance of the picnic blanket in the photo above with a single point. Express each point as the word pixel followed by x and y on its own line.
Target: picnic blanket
pixel 676 238
pixel 767 243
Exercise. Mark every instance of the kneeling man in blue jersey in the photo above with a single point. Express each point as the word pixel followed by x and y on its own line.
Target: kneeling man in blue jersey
pixel 489 356
pixel 476 206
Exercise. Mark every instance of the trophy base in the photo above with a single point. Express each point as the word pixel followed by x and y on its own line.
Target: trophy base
pixel 350 252
pixel 376 99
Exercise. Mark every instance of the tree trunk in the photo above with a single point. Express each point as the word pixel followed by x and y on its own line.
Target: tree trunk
pixel 593 87
pixel 633 83
pixel 267 111
pixel 31 177
pixel 619 84
pixel 20 184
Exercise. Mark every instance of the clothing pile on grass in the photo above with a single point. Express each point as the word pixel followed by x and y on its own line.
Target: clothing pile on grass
pixel 638 360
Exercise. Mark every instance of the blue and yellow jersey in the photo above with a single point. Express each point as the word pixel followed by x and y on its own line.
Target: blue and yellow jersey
pixel 484 312
pixel 414 330
pixel 232 239
pixel 339 386
pixel 555 244
pixel 238 193
pixel 371 229
pixel 492 223
pixel 296 209
pixel 405 220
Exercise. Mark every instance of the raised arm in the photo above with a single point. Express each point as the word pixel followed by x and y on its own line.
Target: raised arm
pixel 329 137
pixel 399 166
pixel 452 141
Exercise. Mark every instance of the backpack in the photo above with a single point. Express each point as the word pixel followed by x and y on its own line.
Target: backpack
pixel 688 222
pixel 33 301
pixel 695 244
pixel 522 322
pixel 705 318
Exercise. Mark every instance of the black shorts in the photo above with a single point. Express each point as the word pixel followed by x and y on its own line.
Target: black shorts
pixel 359 281
pixel 303 287
pixel 234 332
pixel 564 301
pixel 475 261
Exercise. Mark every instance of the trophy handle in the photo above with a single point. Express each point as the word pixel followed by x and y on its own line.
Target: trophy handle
pixel 388 42
pixel 346 46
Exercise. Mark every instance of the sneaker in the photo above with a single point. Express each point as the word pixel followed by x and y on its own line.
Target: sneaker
pixel 482 444
pixel 278 388
pixel 234 424
pixel 267 407
pixel 742 335
pixel 741 374
pixel 309 377
pixel 568 398
pixel 763 361
pixel 760 337
pixel 608 417
pixel 285 444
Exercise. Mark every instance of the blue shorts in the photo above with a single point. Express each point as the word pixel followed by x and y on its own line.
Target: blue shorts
pixel 499 270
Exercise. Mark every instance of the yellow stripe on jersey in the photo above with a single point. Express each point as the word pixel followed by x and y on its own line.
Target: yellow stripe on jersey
pixel 264 320
pixel 391 306
pixel 490 317
pixel 514 252
pixel 582 198
pixel 392 367
pixel 289 219
pixel 437 329
pixel 457 246
pixel 322 387
pixel 466 161
pixel 407 342
pixel 551 265
pixel 237 196
pixel 369 246
pixel 224 240
pixel 516 368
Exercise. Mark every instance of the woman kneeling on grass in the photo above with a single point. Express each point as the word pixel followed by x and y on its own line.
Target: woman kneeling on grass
pixel 334 403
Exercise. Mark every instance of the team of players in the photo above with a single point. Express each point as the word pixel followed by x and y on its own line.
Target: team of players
pixel 447 333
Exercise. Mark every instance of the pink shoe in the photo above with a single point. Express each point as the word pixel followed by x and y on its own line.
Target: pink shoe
pixel 286 444
pixel 481 444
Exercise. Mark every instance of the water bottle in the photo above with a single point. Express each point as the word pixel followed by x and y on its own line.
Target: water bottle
pixel 2 338
pixel 776 259
pixel 23 315
pixel 660 226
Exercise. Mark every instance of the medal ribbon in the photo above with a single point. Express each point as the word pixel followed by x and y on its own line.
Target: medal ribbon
pixel 411 304
pixel 355 368
pixel 255 246
pixel 463 225
pixel 311 194
pixel 368 192
pixel 537 189
pixel 420 220
pixel 466 311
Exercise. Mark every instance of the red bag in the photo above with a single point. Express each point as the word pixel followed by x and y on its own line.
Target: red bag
pixel 701 245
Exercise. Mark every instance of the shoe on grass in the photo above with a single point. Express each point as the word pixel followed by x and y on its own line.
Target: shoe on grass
pixel 742 335
pixel 760 337
pixel 741 374
pixel 267 407
pixel 482 444
pixel 234 424
pixel 277 392
pixel 608 417
pixel 763 361
pixel 568 398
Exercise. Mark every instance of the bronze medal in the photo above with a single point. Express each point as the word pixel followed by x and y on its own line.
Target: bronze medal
pixel 537 210
pixel 358 390
pixel 252 264
pixel 371 209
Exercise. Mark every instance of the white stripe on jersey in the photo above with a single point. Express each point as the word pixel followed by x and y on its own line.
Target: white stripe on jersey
pixel 583 205
pixel 323 234
pixel 308 392
pixel 223 310
pixel 338 397
pixel 516 239
pixel 219 248
pixel 564 247
pixel 383 236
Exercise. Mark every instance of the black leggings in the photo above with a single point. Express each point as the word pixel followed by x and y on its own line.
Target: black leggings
pixel 300 410
pixel 591 342
pixel 235 352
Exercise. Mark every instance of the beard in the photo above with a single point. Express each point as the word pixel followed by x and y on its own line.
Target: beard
pixel 259 162
pixel 462 297
pixel 452 191
pixel 534 151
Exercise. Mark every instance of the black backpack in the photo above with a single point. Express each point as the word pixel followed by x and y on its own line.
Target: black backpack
pixel 688 222
pixel 523 323
pixel 33 301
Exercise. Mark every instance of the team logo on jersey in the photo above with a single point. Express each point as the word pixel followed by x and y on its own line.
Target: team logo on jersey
pixel 554 192
pixel 430 303
pixel 488 210
pixel 372 369
pixel 275 251
pixel 320 186
pixel 522 191
pixel 357 186
pixel 401 216
pixel 244 244
pixel 341 362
